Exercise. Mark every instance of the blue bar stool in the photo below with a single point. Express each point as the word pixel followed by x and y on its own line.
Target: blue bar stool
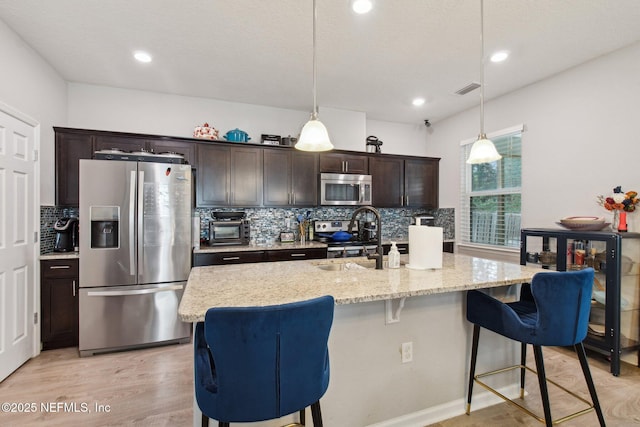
pixel 261 363
pixel 552 311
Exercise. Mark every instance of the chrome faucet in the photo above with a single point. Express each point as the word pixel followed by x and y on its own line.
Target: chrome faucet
pixel 378 255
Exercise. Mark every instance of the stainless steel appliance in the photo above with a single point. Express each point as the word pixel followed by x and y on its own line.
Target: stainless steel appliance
pixel 66 235
pixel 135 255
pixel 345 189
pixel 342 249
pixel 229 228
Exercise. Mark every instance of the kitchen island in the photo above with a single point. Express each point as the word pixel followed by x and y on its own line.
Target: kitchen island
pixel 377 311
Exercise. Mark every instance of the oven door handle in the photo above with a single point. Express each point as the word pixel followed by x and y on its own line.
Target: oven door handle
pixel 134 292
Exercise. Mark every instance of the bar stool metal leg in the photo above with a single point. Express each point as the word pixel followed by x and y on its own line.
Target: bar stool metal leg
pixel 302 416
pixel 542 380
pixel 523 369
pixel 316 414
pixel 589 379
pixel 472 368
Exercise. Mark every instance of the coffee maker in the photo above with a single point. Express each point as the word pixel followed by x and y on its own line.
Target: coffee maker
pixel 66 235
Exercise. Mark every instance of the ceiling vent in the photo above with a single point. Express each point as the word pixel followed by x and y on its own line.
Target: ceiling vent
pixel 468 88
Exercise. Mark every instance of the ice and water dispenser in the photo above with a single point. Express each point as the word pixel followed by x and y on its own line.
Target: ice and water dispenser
pixel 104 227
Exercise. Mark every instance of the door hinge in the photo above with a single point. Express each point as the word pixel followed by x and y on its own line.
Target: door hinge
pixel 35 155
pixel 35 237
pixel 35 318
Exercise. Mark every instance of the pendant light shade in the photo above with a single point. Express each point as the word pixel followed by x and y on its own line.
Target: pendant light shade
pixel 483 150
pixel 314 135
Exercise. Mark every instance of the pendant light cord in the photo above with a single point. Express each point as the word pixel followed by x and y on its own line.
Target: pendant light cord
pixel 481 69
pixel 314 115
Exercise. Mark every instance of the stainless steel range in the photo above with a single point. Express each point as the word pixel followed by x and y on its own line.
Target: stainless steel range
pixel 359 245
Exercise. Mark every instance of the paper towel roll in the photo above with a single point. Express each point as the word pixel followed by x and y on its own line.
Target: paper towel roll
pixel 425 247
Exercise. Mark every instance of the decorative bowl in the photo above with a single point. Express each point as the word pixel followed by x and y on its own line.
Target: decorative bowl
pixel 584 223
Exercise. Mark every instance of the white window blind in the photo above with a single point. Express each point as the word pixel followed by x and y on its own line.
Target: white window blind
pixel 490 208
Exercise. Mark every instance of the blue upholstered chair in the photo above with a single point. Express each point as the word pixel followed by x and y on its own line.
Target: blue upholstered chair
pixel 261 363
pixel 552 311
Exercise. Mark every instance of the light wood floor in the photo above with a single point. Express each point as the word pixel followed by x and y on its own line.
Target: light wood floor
pixel 153 387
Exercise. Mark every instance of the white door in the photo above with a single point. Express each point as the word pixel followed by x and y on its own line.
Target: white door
pixel 19 189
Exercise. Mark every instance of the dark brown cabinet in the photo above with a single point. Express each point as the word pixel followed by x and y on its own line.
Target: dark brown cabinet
pixel 221 258
pixel 59 303
pixel 290 178
pixel 168 145
pixel 404 182
pixel 296 254
pixel 344 163
pixel 124 143
pixel 229 175
pixel 69 149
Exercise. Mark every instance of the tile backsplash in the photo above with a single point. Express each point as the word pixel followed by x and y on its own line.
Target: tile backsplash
pixel 269 222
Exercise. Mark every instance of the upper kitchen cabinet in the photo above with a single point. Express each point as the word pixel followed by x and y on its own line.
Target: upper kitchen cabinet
pixel 70 147
pixel 404 181
pixel 344 163
pixel 421 182
pixel 169 145
pixel 228 175
pixel 290 178
pixel 123 143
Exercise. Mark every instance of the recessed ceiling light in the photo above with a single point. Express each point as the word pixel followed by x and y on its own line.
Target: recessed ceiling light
pixel 362 6
pixel 499 56
pixel 418 102
pixel 142 56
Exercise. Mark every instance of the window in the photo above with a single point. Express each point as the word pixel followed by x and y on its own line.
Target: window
pixel 491 193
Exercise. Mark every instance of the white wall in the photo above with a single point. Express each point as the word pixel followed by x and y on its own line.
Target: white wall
pixel 581 139
pixel 30 85
pixel 401 138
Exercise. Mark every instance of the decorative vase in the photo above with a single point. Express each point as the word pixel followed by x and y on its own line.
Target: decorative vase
pixel 615 221
pixel 622 224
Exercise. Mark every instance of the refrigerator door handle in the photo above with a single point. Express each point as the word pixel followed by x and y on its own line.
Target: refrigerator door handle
pixel 132 201
pixel 140 214
pixel 133 292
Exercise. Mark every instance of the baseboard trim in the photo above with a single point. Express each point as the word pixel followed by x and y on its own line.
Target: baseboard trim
pixel 481 399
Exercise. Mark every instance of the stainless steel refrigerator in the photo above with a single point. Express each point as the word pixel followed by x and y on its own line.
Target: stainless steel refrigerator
pixel 135 253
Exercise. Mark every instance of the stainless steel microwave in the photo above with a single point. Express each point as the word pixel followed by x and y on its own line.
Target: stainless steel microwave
pixel 339 189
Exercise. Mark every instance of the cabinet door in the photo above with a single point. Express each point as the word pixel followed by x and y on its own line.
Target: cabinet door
pixel 164 145
pixel 387 181
pixel 304 186
pixel 421 183
pixel 105 142
pixel 59 304
pixel 344 163
pixel 222 258
pixel 213 175
pixel 246 176
pixel 277 177
pixel 296 254
pixel 70 148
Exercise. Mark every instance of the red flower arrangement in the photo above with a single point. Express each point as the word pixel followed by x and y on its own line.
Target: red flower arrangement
pixel 619 201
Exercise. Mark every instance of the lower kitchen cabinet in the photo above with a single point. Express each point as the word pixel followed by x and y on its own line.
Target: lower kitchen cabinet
pixel 403 248
pixel 241 257
pixel 59 303
pixel 221 258
pixel 296 254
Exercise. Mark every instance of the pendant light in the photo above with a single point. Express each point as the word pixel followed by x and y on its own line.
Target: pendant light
pixel 483 150
pixel 314 135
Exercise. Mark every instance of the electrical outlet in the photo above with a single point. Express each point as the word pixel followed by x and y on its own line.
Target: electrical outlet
pixel 407 352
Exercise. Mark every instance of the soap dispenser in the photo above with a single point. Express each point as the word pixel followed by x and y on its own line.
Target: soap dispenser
pixel 394 256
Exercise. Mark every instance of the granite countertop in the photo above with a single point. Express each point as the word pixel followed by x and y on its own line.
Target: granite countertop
pixel 60 255
pixel 261 284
